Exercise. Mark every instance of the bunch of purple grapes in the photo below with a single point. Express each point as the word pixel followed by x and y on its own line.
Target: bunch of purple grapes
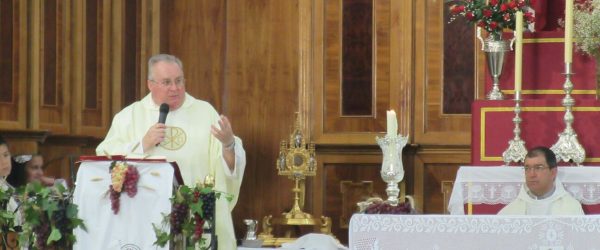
pixel 208 205
pixel 61 221
pixel 132 177
pixel 385 208
pixel 42 232
pixel 179 213
pixel 115 201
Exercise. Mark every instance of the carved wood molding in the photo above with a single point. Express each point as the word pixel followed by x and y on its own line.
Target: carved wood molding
pixel 25 135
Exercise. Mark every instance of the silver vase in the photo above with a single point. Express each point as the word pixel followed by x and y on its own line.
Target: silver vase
pixel 392 170
pixel 495 48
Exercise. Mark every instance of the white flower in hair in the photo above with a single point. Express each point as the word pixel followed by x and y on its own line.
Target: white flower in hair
pixel 23 158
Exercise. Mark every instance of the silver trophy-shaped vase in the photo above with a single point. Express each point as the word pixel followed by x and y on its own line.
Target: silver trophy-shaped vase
pixel 392 170
pixel 495 48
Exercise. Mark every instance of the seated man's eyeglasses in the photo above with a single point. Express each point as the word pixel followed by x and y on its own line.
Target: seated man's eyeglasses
pixel 168 82
pixel 535 169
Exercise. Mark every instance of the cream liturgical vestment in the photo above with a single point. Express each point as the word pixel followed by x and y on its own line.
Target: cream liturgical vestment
pixel 558 203
pixel 188 142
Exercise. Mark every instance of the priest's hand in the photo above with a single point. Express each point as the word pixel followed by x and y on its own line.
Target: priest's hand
pixel 225 133
pixel 154 136
pixel 227 139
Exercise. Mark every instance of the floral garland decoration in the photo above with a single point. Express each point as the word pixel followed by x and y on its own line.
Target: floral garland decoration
pixel 124 178
pixel 492 15
pixel 49 217
pixel 192 214
pixel 7 218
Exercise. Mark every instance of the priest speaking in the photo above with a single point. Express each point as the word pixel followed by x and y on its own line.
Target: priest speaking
pixel 190 132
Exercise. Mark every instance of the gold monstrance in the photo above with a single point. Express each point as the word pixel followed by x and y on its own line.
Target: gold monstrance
pixel 296 161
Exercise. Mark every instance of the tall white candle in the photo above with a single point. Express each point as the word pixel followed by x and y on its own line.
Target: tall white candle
pixel 392 123
pixel 519 51
pixel 568 31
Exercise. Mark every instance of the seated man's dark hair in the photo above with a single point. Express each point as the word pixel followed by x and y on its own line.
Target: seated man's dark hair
pixel 546 152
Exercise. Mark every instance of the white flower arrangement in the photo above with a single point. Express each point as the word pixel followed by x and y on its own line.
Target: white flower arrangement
pixel 587 27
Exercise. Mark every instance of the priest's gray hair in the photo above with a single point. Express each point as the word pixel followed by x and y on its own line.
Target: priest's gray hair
pixel 162 58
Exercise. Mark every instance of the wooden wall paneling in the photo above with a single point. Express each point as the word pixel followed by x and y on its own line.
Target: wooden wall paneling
pixel 203 49
pixel 75 56
pixel 431 125
pixel 242 56
pixel 34 70
pixel 152 36
pixel 117 38
pixel 402 64
pixel 305 63
pixel 392 60
pixel 261 74
pixel 60 152
pixel 13 37
pixel 91 107
pixel 24 141
pixel 339 165
pixel 50 96
pixel 433 166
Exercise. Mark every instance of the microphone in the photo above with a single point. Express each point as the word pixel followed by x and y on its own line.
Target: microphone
pixel 164 110
pixel 162 117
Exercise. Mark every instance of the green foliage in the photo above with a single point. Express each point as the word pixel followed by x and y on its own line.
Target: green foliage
pixel 48 210
pixel 191 218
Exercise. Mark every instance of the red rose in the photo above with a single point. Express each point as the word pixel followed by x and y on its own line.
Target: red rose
pixel 469 16
pixel 521 3
pixel 493 25
pixel 512 5
pixel 506 17
pixel 487 13
pixel 455 9
pixel 529 17
pixel 503 7
pixel 493 2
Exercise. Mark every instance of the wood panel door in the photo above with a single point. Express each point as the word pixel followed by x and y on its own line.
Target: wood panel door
pixel 446 76
pixel 362 67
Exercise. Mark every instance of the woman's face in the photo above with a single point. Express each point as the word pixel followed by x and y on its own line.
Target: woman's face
pixel 35 169
pixel 5 163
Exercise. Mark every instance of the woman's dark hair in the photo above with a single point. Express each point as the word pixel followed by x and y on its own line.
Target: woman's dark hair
pixel 18 174
pixel 2 141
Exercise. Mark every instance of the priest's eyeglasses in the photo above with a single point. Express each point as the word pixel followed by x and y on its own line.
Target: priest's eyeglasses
pixel 168 82
pixel 535 169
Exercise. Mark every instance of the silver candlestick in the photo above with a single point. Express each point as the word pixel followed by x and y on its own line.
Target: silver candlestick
pixel 392 170
pixel 568 147
pixel 516 150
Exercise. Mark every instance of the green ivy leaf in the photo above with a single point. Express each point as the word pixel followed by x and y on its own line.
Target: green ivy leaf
pixel 162 238
pixel 72 211
pixel 196 207
pixel 49 206
pixel 54 235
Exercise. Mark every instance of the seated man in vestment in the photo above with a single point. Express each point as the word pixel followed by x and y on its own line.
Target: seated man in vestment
pixel 543 193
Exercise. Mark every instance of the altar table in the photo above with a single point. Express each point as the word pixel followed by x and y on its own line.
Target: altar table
pixel 489 189
pixel 374 232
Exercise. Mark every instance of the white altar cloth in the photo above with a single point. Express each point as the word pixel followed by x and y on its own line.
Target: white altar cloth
pixel 375 232
pixel 500 185
pixel 131 228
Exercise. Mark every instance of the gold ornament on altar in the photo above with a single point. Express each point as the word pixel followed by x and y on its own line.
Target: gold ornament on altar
pixel 296 160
